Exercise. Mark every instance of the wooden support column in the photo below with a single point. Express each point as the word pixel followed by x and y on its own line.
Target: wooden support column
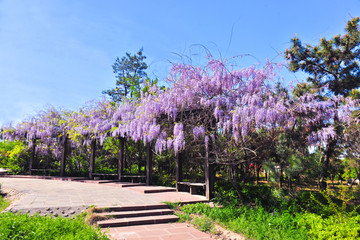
pixel 32 163
pixel 149 164
pixel 92 157
pixel 209 176
pixel 179 170
pixel 63 156
pixel 121 157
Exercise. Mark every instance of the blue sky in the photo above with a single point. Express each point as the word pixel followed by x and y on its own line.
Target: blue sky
pixel 60 52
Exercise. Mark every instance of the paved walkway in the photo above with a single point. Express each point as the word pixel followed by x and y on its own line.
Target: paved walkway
pixel 174 231
pixel 52 193
pixel 70 197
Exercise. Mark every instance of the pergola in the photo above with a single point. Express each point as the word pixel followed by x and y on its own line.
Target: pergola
pixel 209 173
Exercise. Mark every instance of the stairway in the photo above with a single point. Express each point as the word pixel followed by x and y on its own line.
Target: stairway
pixel 134 215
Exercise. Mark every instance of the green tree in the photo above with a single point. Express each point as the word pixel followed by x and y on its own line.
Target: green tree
pixel 334 62
pixel 130 74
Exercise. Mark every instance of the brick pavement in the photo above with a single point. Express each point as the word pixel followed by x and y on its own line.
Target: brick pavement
pixel 50 193
pixel 42 193
pixel 174 231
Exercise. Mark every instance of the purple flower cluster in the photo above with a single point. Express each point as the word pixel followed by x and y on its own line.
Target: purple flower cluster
pixel 220 98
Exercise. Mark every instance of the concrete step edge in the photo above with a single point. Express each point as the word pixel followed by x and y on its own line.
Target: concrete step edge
pixel 137 213
pixel 159 190
pixel 133 207
pixel 137 221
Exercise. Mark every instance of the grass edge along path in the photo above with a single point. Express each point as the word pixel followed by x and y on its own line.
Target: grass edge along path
pixel 23 226
pixel 256 223
pixel 3 202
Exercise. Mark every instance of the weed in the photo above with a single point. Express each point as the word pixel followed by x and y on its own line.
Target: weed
pixel 204 224
pixel 173 205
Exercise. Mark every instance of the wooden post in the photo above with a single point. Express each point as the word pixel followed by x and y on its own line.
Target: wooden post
pixel 209 178
pixel 32 163
pixel 63 156
pixel 149 164
pixel 92 157
pixel 121 157
pixel 179 170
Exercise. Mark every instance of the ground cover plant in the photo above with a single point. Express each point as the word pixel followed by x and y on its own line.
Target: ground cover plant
pixel 273 215
pixel 3 202
pixel 23 226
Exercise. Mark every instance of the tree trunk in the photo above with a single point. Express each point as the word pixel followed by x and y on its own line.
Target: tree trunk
pixel 266 176
pixel 326 164
pixel 281 176
pixel 234 182
pixel 289 183
pixel 257 174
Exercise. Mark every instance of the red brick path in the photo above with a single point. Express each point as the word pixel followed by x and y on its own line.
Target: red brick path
pixel 175 231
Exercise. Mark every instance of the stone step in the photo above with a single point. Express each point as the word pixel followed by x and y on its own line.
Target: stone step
pixel 159 190
pixel 133 184
pixel 137 221
pixel 134 207
pixel 140 213
pixel 153 189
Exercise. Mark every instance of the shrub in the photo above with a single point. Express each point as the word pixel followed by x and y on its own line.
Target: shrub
pixel 14 156
pixel 330 228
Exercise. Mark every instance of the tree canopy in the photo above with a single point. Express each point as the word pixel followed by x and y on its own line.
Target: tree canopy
pixel 130 74
pixel 333 62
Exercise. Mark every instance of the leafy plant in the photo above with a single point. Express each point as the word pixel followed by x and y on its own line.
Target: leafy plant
pixel 255 223
pixel 204 224
pixel 340 211
pixel 18 226
pixel 3 202
pixel 13 156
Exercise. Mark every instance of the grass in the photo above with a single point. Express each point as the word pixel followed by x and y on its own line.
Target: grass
pixel 254 223
pixel 19 226
pixel 23 226
pixel 272 214
pixel 3 203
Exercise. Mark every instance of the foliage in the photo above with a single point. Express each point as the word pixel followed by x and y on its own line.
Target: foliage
pixel 204 224
pixel 329 228
pixel 257 223
pixel 18 226
pixel 130 74
pixel 338 203
pixel 334 62
pixel 254 223
pixel 270 198
pixel 14 156
pixel 3 203
pixel 235 117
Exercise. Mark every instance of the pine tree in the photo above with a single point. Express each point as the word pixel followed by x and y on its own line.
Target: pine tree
pixel 333 62
pixel 130 74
